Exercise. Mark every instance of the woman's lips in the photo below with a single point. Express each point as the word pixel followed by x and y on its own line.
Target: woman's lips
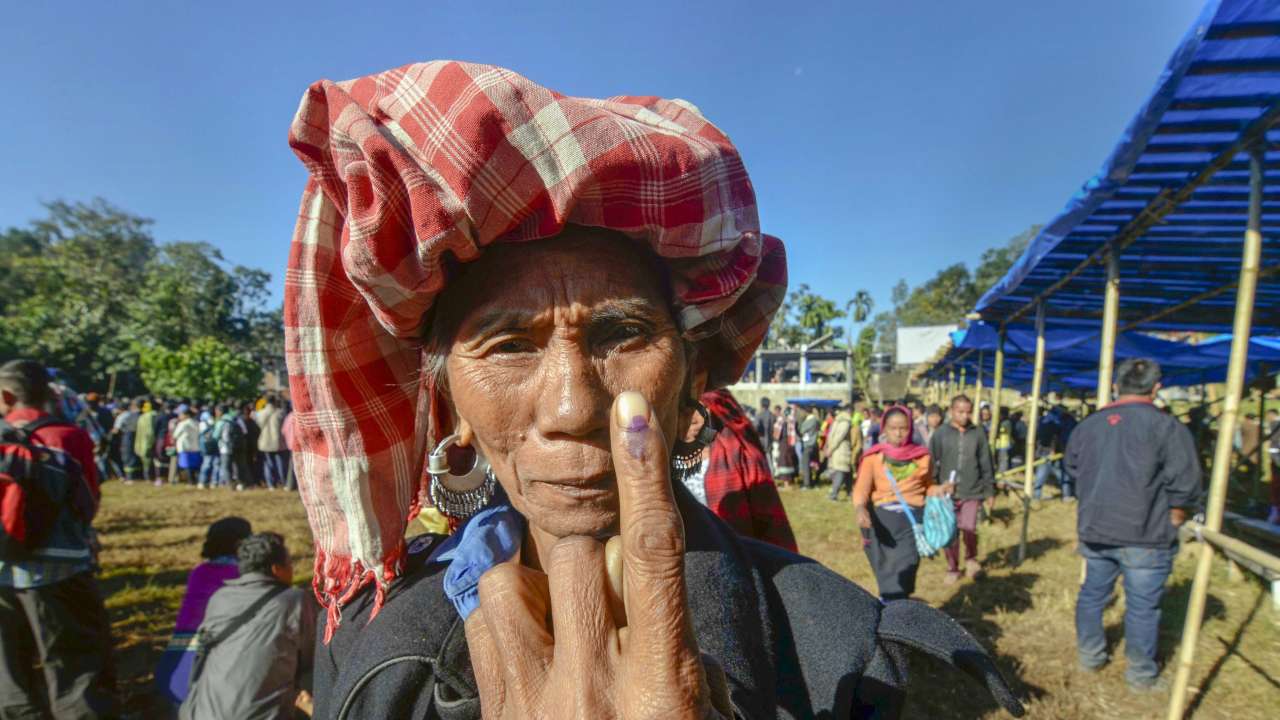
pixel 584 487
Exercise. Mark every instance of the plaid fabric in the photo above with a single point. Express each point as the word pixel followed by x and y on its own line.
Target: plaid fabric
pixel 739 486
pixel 420 167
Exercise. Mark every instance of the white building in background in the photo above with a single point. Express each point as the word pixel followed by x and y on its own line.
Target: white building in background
pixel 921 344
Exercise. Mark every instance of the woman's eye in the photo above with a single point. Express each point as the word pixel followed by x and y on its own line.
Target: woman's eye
pixel 512 347
pixel 623 333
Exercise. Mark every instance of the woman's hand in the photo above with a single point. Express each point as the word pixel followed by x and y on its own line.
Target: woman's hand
pixel 864 516
pixel 564 645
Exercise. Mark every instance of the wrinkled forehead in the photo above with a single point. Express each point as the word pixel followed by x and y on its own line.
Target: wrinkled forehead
pixel 562 279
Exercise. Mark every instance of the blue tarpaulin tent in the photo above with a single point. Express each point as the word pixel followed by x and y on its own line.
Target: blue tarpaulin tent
pixel 1172 198
pixel 1072 356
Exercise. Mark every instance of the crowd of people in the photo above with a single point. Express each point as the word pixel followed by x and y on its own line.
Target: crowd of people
pixel 230 444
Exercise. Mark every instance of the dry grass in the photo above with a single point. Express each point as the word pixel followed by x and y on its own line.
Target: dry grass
pixel 1026 615
pixel 152 537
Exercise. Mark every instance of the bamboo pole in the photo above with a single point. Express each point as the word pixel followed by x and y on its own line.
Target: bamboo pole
pixel 977 383
pixel 1250 260
pixel 995 391
pixel 1110 315
pixel 951 383
pixel 1033 416
pixel 1255 555
pixel 961 387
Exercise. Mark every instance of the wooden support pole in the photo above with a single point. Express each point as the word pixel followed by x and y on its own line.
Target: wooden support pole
pixel 951 383
pixel 977 384
pixel 995 391
pixel 1110 316
pixel 961 387
pixel 1033 416
pixel 1250 260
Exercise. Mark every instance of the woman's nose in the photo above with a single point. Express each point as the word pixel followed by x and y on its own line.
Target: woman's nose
pixel 572 398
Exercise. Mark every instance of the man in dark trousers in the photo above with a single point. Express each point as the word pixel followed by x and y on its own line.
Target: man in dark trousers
pixel 962 459
pixel 52 620
pixel 764 428
pixel 1138 478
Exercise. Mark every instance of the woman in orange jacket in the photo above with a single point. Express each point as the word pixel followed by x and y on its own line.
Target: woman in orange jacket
pixel 886 530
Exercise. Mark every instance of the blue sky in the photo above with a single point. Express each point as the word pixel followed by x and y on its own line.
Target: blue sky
pixel 886 140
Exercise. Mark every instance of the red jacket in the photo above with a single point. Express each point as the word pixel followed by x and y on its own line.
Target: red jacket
pixel 68 438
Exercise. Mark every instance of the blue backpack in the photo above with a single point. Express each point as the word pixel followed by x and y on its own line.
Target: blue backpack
pixel 938 529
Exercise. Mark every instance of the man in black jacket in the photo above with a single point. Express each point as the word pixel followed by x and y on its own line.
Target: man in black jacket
pixel 962 458
pixel 1138 478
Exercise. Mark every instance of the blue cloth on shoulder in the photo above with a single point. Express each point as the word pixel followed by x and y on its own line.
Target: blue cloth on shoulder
pixel 489 537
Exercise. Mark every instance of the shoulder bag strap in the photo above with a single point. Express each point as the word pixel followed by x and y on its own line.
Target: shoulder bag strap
pixel 906 509
pixel 207 643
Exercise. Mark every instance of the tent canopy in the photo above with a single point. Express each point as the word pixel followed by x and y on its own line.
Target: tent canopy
pixel 1071 356
pixel 1173 195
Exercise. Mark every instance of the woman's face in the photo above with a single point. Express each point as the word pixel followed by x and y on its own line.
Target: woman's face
pixel 896 429
pixel 550 332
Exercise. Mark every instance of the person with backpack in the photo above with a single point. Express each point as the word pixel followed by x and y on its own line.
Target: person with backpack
pixel 209 461
pixel 51 612
pixel 234 466
pixel 256 642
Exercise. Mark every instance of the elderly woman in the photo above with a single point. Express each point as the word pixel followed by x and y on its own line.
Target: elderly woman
pixel 524 294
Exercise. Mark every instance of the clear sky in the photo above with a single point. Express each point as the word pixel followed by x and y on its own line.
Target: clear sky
pixel 886 140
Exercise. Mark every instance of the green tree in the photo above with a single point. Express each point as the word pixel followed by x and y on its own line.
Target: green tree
pixel 74 287
pixel 996 261
pixel 803 317
pixel 87 289
pixel 862 352
pixel 204 369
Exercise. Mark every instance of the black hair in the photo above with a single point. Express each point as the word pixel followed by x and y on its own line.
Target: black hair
pixel 933 410
pixel 1137 376
pixel 764 402
pixel 962 398
pixel 224 536
pixel 259 552
pixel 27 379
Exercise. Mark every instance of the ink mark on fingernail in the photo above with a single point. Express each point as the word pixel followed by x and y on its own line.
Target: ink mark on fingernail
pixel 637 436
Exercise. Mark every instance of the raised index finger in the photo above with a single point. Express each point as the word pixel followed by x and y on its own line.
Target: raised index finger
pixel 652 531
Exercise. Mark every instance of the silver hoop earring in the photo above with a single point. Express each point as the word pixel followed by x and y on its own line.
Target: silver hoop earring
pixel 475 486
pixel 688 456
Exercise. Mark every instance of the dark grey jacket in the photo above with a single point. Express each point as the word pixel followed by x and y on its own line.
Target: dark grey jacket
pixel 969 455
pixel 795 639
pixel 254 674
pixel 1132 462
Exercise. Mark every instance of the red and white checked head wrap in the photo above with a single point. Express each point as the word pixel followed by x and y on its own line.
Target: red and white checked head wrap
pixel 438 160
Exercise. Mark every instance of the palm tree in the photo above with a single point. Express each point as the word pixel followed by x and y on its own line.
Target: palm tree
pixel 859 309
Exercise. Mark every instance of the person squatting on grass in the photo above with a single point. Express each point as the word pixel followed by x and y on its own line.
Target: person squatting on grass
pixel 173 671
pixel 258 634
pixel 1138 477
pixel 886 531
pixel 962 465
pixel 52 620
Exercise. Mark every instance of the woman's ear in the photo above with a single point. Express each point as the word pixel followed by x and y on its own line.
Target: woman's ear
pixel 466 434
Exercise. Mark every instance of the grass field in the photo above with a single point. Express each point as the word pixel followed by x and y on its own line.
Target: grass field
pixel 151 538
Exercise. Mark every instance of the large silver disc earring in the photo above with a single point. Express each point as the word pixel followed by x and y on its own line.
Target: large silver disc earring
pixel 687 456
pixel 464 495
